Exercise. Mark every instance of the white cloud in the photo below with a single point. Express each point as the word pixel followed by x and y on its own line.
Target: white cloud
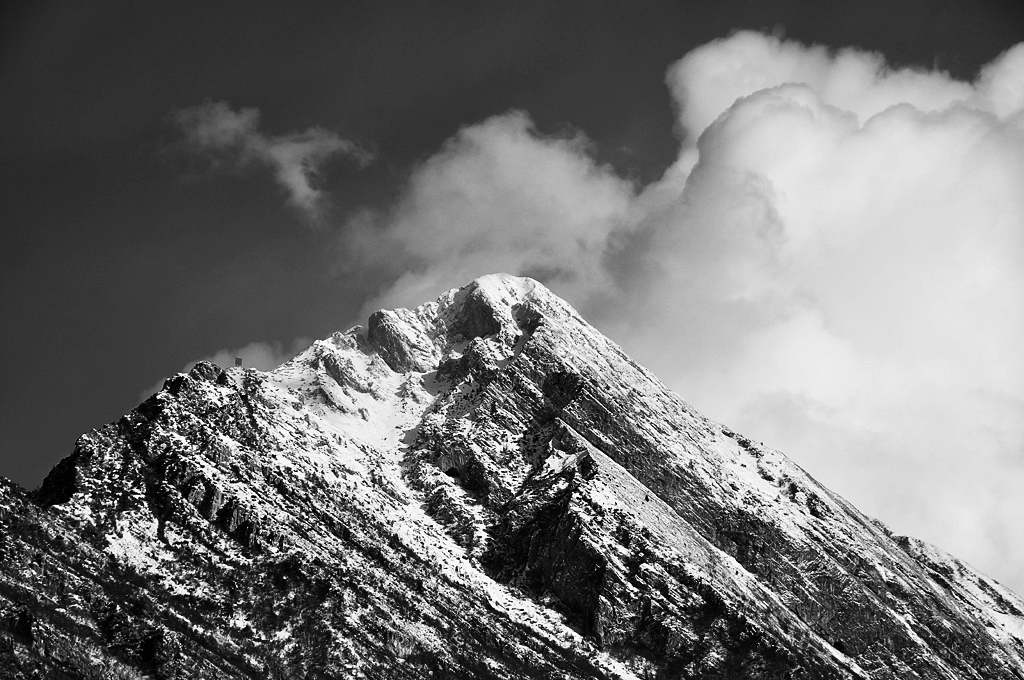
pixel 500 196
pixel 857 234
pixel 232 138
pixel 835 265
pixel 708 80
pixel 262 356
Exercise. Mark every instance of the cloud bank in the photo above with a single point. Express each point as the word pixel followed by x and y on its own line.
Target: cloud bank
pixel 834 265
pixel 232 139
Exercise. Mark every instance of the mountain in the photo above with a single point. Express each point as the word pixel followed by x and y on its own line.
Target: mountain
pixel 482 487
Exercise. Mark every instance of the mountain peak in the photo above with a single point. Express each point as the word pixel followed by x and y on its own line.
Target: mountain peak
pixel 482 486
pixel 506 287
pixel 413 340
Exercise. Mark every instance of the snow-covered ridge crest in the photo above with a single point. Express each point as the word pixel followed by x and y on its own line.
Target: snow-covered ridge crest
pixel 488 323
pixel 481 486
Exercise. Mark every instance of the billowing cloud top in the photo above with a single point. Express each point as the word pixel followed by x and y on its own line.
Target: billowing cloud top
pixel 834 264
pixel 501 193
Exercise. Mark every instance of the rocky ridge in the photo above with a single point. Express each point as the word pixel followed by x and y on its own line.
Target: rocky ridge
pixel 484 486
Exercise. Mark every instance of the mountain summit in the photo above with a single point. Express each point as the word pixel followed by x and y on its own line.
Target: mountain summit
pixel 481 487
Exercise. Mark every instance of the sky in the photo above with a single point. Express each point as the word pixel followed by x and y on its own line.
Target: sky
pixel 806 218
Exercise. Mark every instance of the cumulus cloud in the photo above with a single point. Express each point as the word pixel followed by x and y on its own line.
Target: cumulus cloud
pixel 500 196
pixel 849 240
pixel 710 79
pixel 834 265
pixel 262 356
pixel 231 139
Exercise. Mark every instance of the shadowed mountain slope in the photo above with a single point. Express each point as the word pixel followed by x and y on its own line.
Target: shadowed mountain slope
pixel 482 487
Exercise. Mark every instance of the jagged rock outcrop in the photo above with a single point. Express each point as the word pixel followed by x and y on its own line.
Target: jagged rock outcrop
pixel 481 487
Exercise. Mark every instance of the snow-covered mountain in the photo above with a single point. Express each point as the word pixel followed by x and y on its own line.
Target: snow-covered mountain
pixel 482 487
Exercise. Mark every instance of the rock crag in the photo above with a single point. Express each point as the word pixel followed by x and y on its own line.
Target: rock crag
pixel 482 487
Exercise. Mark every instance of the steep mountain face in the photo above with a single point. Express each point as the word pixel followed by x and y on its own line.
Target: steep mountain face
pixel 482 487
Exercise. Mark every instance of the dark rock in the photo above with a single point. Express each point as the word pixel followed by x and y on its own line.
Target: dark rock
pixel 206 370
pixel 476 318
pixel 394 345
pixel 18 623
pixel 562 388
pixel 62 482
pixel 271 528
pixel 175 384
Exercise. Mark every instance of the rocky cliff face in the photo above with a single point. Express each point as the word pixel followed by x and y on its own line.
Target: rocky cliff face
pixel 482 487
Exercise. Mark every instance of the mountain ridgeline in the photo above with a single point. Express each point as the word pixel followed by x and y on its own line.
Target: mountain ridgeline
pixel 482 487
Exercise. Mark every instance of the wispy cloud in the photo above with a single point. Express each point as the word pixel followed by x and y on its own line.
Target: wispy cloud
pixel 262 356
pixel 229 139
pixel 834 264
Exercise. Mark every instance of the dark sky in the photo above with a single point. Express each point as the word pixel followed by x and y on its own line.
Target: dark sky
pixel 118 265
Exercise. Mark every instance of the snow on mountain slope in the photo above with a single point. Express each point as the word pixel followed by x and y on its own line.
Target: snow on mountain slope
pixel 484 486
